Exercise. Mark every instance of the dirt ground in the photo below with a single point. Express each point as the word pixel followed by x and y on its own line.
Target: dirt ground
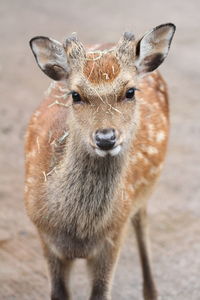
pixel 175 206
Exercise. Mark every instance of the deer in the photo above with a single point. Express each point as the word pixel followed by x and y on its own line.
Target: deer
pixel 94 150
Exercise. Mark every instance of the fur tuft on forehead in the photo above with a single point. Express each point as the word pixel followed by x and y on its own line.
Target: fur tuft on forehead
pixel 101 67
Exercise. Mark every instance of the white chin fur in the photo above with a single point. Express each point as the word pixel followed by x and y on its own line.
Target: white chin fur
pixel 113 152
pixel 101 153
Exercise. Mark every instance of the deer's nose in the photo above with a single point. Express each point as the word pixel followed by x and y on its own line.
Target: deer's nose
pixel 105 138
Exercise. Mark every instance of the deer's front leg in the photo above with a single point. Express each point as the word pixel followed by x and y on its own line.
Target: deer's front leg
pixel 59 271
pixel 101 267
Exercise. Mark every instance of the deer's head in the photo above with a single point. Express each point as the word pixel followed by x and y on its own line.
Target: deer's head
pixel 103 84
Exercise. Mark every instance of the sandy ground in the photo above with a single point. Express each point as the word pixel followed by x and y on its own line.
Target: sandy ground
pixel 174 208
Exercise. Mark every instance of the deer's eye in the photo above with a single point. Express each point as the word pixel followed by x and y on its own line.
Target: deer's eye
pixel 76 97
pixel 130 93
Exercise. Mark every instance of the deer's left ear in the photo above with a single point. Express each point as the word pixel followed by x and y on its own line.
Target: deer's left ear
pixel 153 48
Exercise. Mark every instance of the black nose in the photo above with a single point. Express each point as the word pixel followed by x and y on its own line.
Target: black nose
pixel 105 138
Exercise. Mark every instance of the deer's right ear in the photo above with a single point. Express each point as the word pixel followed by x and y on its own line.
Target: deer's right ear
pixel 50 56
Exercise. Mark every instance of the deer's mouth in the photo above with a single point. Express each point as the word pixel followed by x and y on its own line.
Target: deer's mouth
pixel 113 152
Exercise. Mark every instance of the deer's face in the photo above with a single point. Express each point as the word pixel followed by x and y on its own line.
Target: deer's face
pixel 103 84
pixel 104 110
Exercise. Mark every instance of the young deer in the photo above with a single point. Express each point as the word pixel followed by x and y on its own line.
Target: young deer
pixel 94 150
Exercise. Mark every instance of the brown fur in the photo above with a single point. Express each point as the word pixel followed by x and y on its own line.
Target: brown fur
pixel 101 68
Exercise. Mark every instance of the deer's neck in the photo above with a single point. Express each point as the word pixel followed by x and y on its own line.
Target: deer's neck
pixel 84 188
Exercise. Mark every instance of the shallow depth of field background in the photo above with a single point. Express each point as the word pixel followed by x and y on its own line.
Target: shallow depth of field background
pixel 174 207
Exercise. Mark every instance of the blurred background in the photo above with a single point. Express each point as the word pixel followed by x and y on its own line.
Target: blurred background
pixel 174 207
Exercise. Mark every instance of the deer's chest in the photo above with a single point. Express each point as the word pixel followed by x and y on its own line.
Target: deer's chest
pixel 64 245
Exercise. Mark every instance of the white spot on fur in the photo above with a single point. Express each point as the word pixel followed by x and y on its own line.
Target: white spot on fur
pixel 153 171
pixel 160 137
pixel 30 154
pixel 163 118
pixel 151 131
pixel 161 97
pixel 26 189
pixel 151 79
pixel 161 86
pixel 141 181
pixel 141 156
pixel 37 113
pixel 152 150
pixel 133 159
pixel 30 180
pixel 156 170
